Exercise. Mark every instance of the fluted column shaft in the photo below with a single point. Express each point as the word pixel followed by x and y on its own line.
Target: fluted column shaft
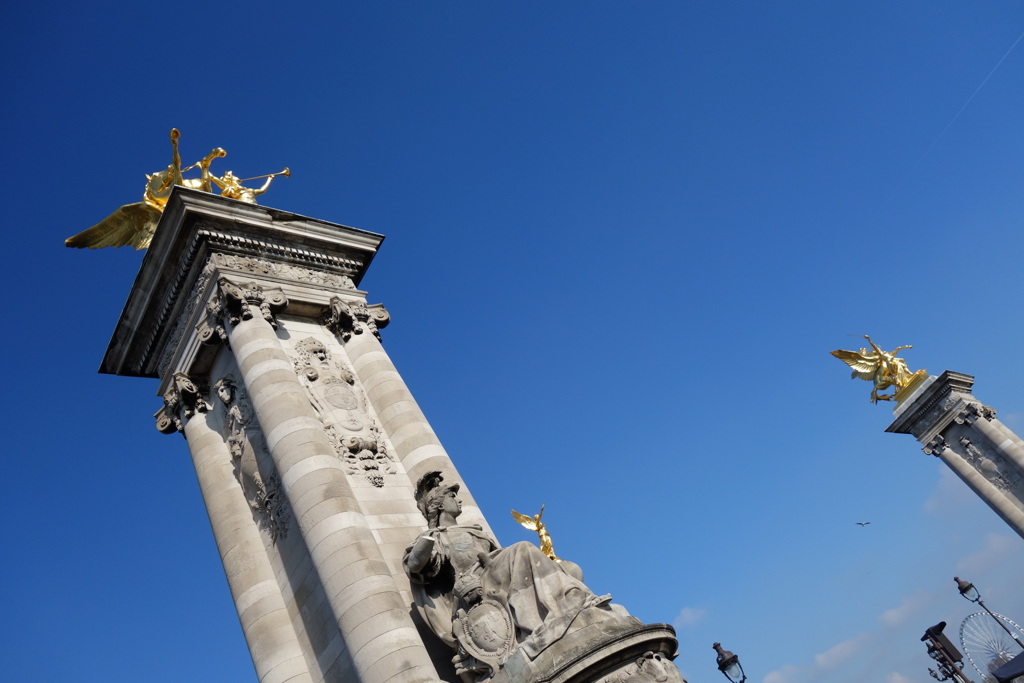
pixel 414 440
pixel 1003 440
pixel 380 638
pixel 269 632
pixel 995 498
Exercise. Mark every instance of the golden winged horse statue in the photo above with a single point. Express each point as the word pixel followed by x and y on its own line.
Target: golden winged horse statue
pixel 882 368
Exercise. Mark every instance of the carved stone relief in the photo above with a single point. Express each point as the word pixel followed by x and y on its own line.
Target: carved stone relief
pixel 970 412
pixel 344 409
pixel 198 291
pixel 346 318
pixel 992 467
pixel 285 271
pixel 653 667
pixel 250 459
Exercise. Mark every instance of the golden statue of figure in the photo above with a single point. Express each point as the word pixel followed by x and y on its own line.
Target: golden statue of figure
pixel 134 224
pixel 534 524
pixel 231 187
pixel 880 367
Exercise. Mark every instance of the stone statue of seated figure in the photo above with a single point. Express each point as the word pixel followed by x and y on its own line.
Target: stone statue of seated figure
pixel 490 603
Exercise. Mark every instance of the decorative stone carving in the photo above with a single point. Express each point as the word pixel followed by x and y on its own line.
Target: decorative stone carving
pixel 368 456
pixel 492 605
pixel 935 446
pixel 274 512
pixel 235 302
pixel 283 270
pixel 198 291
pixel 990 467
pixel 972 411
pixel 250 459
pixel 346 318
pixel 652 667
pixel 181 401
pixel 343 408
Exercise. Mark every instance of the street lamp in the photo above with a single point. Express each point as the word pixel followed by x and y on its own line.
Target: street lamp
pixel 729 665
pixel 945 655
pixel 971 593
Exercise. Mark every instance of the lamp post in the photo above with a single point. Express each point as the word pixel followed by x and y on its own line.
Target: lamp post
pixel 971 593
pixel 729 665
pixel 945 655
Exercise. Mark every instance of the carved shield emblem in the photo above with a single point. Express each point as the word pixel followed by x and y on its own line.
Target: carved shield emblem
pixel 340 395
pixel 486 632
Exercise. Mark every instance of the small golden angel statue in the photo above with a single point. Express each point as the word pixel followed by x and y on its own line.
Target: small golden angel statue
pixel 534 524
pixel 882 368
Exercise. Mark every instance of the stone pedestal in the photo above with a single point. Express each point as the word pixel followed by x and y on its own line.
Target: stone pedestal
pixel 954 426
pixel 308 445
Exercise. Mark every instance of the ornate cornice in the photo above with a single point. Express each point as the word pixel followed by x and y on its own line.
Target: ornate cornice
pixel 933 409
pixel 198 229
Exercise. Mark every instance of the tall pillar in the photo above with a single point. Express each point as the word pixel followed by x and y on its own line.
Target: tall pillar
pixel 319 471
pixel 379 633
pixel 951 424
pixel 226 292
pixel 276 652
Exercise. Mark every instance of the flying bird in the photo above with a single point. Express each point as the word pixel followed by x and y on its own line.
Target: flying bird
pixel 863 523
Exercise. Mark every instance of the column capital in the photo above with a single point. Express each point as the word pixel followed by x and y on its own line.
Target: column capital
pixel 181 401
pixel 234 303
pixel 935 446
pixel 346 318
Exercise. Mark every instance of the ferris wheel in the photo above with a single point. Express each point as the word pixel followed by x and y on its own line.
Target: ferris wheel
pixel 986 643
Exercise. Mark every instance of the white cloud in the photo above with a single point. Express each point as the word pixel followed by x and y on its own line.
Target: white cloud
pixel 787 674
pixel 840 653
pixel 688 616
pixel 825 661
pixel 996 550
pixel 896 677
pixel 908 608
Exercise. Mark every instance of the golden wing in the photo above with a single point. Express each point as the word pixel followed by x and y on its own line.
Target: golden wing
pixel 864 364
pixel 525 520
pixel 132 224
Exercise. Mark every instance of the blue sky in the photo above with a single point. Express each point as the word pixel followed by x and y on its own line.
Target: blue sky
pixel 621 240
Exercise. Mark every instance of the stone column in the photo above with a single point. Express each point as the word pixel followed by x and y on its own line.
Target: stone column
pixel 999 502
pixel 945 417
pixel 414 440
pixel 206 300
pixel 269 633
pixel 381 641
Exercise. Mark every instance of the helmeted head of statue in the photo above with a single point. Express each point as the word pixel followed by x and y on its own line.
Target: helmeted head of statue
pixel 433 496
pixel 225 388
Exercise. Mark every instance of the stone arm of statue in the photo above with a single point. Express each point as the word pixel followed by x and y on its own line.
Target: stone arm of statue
pixel 420 554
